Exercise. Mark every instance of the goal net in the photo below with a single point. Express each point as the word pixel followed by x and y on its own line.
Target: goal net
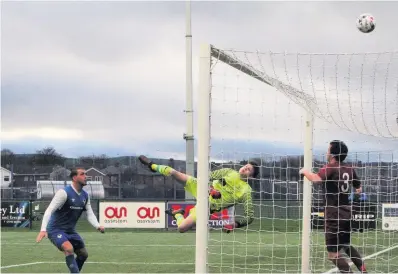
pixel 282 110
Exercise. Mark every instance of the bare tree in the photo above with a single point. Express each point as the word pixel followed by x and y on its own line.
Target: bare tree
pixel 47 156
pixel 7 157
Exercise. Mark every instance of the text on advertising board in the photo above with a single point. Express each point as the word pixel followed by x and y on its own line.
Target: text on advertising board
pixel 15 213
pixel 217 219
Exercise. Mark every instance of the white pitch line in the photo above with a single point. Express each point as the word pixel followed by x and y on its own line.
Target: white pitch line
pixel 167 245
pixel 129 263
pixel 118 263
pixel 18 265
pixel 114 245
pixel 367 257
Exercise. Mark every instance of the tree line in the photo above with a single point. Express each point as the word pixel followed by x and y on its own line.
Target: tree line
pixel 48 156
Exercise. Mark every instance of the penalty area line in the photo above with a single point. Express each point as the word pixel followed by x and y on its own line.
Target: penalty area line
pixel 365 258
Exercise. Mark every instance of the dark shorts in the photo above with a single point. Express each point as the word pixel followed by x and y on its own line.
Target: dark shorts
pixel 337 234
pixel 58 237
pixel 337 228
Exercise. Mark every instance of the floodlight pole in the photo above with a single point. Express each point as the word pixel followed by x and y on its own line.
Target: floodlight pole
pixel 188 136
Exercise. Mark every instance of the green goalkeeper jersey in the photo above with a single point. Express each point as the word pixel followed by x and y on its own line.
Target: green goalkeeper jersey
pixel 233 191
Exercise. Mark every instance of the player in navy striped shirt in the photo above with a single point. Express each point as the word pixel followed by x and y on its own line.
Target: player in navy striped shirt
pixel 61 216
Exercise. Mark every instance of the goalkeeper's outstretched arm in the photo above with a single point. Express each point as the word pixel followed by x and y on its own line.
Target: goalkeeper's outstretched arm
pixel 248 211
pixel 248 214
pixel 220 173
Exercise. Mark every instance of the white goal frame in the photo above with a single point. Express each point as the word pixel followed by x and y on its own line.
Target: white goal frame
pixel 204 114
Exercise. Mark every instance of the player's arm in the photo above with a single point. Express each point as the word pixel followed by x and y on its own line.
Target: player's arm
pixel 91 218
pixel 314 177
pixel 57 201
pixel 248 214
pixel 220 173
pixel 356 182
pixel 248 209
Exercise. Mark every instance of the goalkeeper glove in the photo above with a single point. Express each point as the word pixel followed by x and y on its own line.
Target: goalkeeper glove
pixel 214 193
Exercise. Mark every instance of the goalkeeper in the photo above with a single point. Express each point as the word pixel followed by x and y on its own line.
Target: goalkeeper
pixel 227 188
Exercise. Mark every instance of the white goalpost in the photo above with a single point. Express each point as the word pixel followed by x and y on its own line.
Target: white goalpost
pixel 282 110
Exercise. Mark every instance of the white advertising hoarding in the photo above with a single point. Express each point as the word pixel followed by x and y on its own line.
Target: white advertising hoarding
pixel 390 217
pixel 132 214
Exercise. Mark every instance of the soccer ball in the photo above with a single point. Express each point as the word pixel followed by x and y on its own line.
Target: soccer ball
pixel 366 23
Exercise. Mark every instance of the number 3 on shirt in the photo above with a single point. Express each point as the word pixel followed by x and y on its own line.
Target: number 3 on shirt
pixel 345 186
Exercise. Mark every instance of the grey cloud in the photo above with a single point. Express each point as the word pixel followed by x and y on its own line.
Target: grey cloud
pixel 99 32
pixel 84 81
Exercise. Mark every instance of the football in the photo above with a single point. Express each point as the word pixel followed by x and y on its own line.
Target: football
pixel 366 23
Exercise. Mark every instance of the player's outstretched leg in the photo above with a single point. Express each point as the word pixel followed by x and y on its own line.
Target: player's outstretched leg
pixel 164 170
pixel 183 224
pixel 356 258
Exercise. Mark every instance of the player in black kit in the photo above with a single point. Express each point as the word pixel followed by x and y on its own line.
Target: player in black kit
pixel 338 178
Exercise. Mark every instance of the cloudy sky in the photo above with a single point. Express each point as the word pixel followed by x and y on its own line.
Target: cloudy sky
pixel 106 77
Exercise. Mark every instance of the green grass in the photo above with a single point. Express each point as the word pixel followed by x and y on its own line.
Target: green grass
pixel 169 251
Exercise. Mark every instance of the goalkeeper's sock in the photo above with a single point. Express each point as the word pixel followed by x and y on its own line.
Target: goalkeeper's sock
pixel 164 170
pixel 179 218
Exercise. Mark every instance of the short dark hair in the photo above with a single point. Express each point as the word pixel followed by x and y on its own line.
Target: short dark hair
pixel 256 168
pixel 338 150
pixel 73 172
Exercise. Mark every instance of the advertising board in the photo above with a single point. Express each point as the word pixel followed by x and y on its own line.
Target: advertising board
pixel 15 214
pixel 132 214
pixel 390 217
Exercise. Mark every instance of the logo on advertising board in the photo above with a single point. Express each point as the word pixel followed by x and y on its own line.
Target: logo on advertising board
pixel 132 214
pixel 149 215
pixel 216 220
pixel 115 214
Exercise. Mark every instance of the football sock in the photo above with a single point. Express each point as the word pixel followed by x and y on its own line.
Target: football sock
pixel 342 265
pixel 355 258
pixel 80 261
pixel 71 263
pixel 164 170
pixel 179 217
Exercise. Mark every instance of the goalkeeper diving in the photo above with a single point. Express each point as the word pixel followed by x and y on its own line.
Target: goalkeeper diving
pixel 227 188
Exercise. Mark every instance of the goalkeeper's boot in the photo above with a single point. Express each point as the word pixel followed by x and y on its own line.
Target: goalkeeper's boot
pixel 173 213
pixel 164 170
pixel 146 162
